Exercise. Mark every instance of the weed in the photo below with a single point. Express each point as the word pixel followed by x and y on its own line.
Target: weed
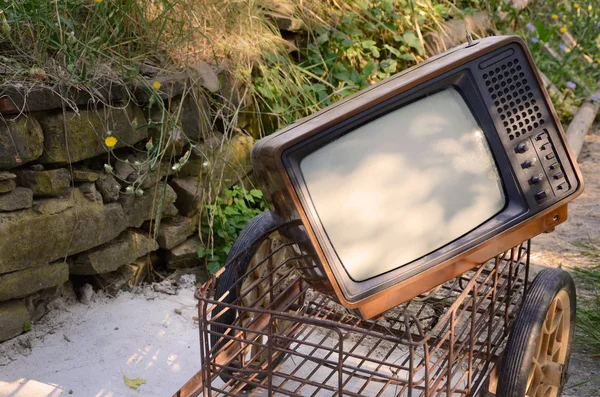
pixel 371 41
pixel 564 41
pixel 26 326
pixel 224 220
pixel 588 308
pixel 588 311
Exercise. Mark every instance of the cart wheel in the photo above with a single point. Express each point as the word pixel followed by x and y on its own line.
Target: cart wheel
pixel 536 358
pixel 251 289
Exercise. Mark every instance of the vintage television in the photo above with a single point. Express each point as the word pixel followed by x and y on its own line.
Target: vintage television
pixel 421 177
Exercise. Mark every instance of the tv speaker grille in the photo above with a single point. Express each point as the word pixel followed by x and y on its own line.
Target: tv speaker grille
pixel 513 98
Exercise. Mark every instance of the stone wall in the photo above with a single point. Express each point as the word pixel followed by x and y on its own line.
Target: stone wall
pixel 68 213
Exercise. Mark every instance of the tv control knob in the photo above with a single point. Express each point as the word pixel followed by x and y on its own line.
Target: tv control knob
pixel 539 196
pixel 522 147
pixel 534 180
pixel 527 164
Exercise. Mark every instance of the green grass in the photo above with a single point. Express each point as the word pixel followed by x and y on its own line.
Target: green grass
pixel 75 41
pixel 588 305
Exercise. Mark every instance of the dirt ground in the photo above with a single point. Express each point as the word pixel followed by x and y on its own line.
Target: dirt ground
pixel 561 249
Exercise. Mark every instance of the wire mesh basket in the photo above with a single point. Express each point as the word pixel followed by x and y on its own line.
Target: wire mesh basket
pixel 265 331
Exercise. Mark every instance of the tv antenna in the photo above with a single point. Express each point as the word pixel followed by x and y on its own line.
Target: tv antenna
pixel 470 42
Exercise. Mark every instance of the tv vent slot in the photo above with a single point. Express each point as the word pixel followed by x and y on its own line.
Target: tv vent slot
pixel 513 99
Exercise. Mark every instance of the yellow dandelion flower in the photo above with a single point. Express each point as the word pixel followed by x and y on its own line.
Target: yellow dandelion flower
pixel 563 30
pixel 598 61
pixel 98 1
pixel 156 85
pixel 576 6
pixel 554 17
pixel 110 141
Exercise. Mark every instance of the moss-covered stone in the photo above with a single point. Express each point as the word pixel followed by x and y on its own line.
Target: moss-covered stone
pixel 175 231
pixel 85 175
pixel 185 254
pixel 78 137
pixel 108 257
pixel 21 141
pixel 25 282
pixel 18 199
pixel 134 169
pixel 55 228
pixel 189 195
pixel 89 192
pixel 13 317
pixel 222 164
pixel 6 176
pixel 7 186
pixel 45 183
pixel 139 209
pixel 109 188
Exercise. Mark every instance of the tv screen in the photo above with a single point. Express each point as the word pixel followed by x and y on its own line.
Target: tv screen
pixel 403 185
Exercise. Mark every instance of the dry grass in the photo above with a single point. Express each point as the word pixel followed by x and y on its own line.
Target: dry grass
pixel 77 41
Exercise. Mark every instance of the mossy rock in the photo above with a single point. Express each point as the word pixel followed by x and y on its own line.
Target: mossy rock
pixel 25 282
pixel 21 141
pixel 76 137
pixel 45 183
pixel 13 318
pixel 125 249
pixel 54 228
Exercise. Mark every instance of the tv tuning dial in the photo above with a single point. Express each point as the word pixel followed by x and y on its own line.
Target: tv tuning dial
pixel 534 180
pixel 528 163
pixel 522 147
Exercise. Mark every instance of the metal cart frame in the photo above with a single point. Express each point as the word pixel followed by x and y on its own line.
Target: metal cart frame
pixel 290 340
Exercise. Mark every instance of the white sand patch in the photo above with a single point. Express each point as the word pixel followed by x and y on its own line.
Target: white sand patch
pixel 83 348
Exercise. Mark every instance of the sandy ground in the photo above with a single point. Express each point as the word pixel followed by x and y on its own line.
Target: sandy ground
pixel 561 249
pixel 84 350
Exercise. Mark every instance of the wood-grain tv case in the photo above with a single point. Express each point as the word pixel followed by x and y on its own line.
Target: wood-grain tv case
pixel 491 74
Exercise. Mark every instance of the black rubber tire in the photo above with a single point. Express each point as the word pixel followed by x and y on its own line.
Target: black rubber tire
pixel 521 345
pixel 254 230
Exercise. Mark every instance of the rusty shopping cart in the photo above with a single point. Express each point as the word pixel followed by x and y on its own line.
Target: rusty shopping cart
pixel 265 331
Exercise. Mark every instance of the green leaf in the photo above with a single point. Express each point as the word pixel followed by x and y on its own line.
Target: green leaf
pixel 26 326
pixel 369 68
pixel 323 38
pixel 407 57
pixel 389 65
pixel 133 383
pixel 543 32
pixel 213 267
pixel 201 252
pixel 391 49
pixel 368 43
pixel 342 76
pixel 230 211
pixel 412 40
